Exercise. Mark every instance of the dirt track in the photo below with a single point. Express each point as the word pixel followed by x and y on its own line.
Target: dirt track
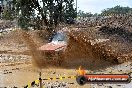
pixel 17 69
pixel 21 72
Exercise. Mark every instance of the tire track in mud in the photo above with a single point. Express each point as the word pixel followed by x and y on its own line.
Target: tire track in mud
pixel 9 60
pixel 14 53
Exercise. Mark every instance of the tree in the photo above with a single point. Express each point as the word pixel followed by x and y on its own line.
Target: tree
pixel 8 11
pixel 96 14
pixel 83 14
pixel 49 12
pixel 117 10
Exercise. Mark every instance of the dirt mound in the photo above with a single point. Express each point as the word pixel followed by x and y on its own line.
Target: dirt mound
pixel 121 32
pixel 23 42
pixel 120 42
pixel 114 21
pixel 39 37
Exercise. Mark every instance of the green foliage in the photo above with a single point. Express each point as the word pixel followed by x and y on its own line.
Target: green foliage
pixel 7 15
pixel 69 10
pixel 47 12
pixel 117 10
pixel 8 11
pixel 83 14
pixel 109 11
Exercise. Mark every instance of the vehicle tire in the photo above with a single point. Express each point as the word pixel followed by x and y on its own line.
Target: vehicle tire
pixel 81 80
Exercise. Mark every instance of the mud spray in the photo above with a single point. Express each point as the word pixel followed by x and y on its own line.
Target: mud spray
pixel 37 58
pixel 82 49
pixel 79 51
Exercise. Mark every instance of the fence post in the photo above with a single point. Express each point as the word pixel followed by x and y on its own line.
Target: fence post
pixel 40 79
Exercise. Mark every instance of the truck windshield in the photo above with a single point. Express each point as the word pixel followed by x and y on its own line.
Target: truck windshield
pixel 59 37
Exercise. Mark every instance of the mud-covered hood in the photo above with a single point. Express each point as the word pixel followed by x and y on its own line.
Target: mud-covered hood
pixel 52 47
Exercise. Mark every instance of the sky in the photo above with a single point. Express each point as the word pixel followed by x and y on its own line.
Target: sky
pixel 96 6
